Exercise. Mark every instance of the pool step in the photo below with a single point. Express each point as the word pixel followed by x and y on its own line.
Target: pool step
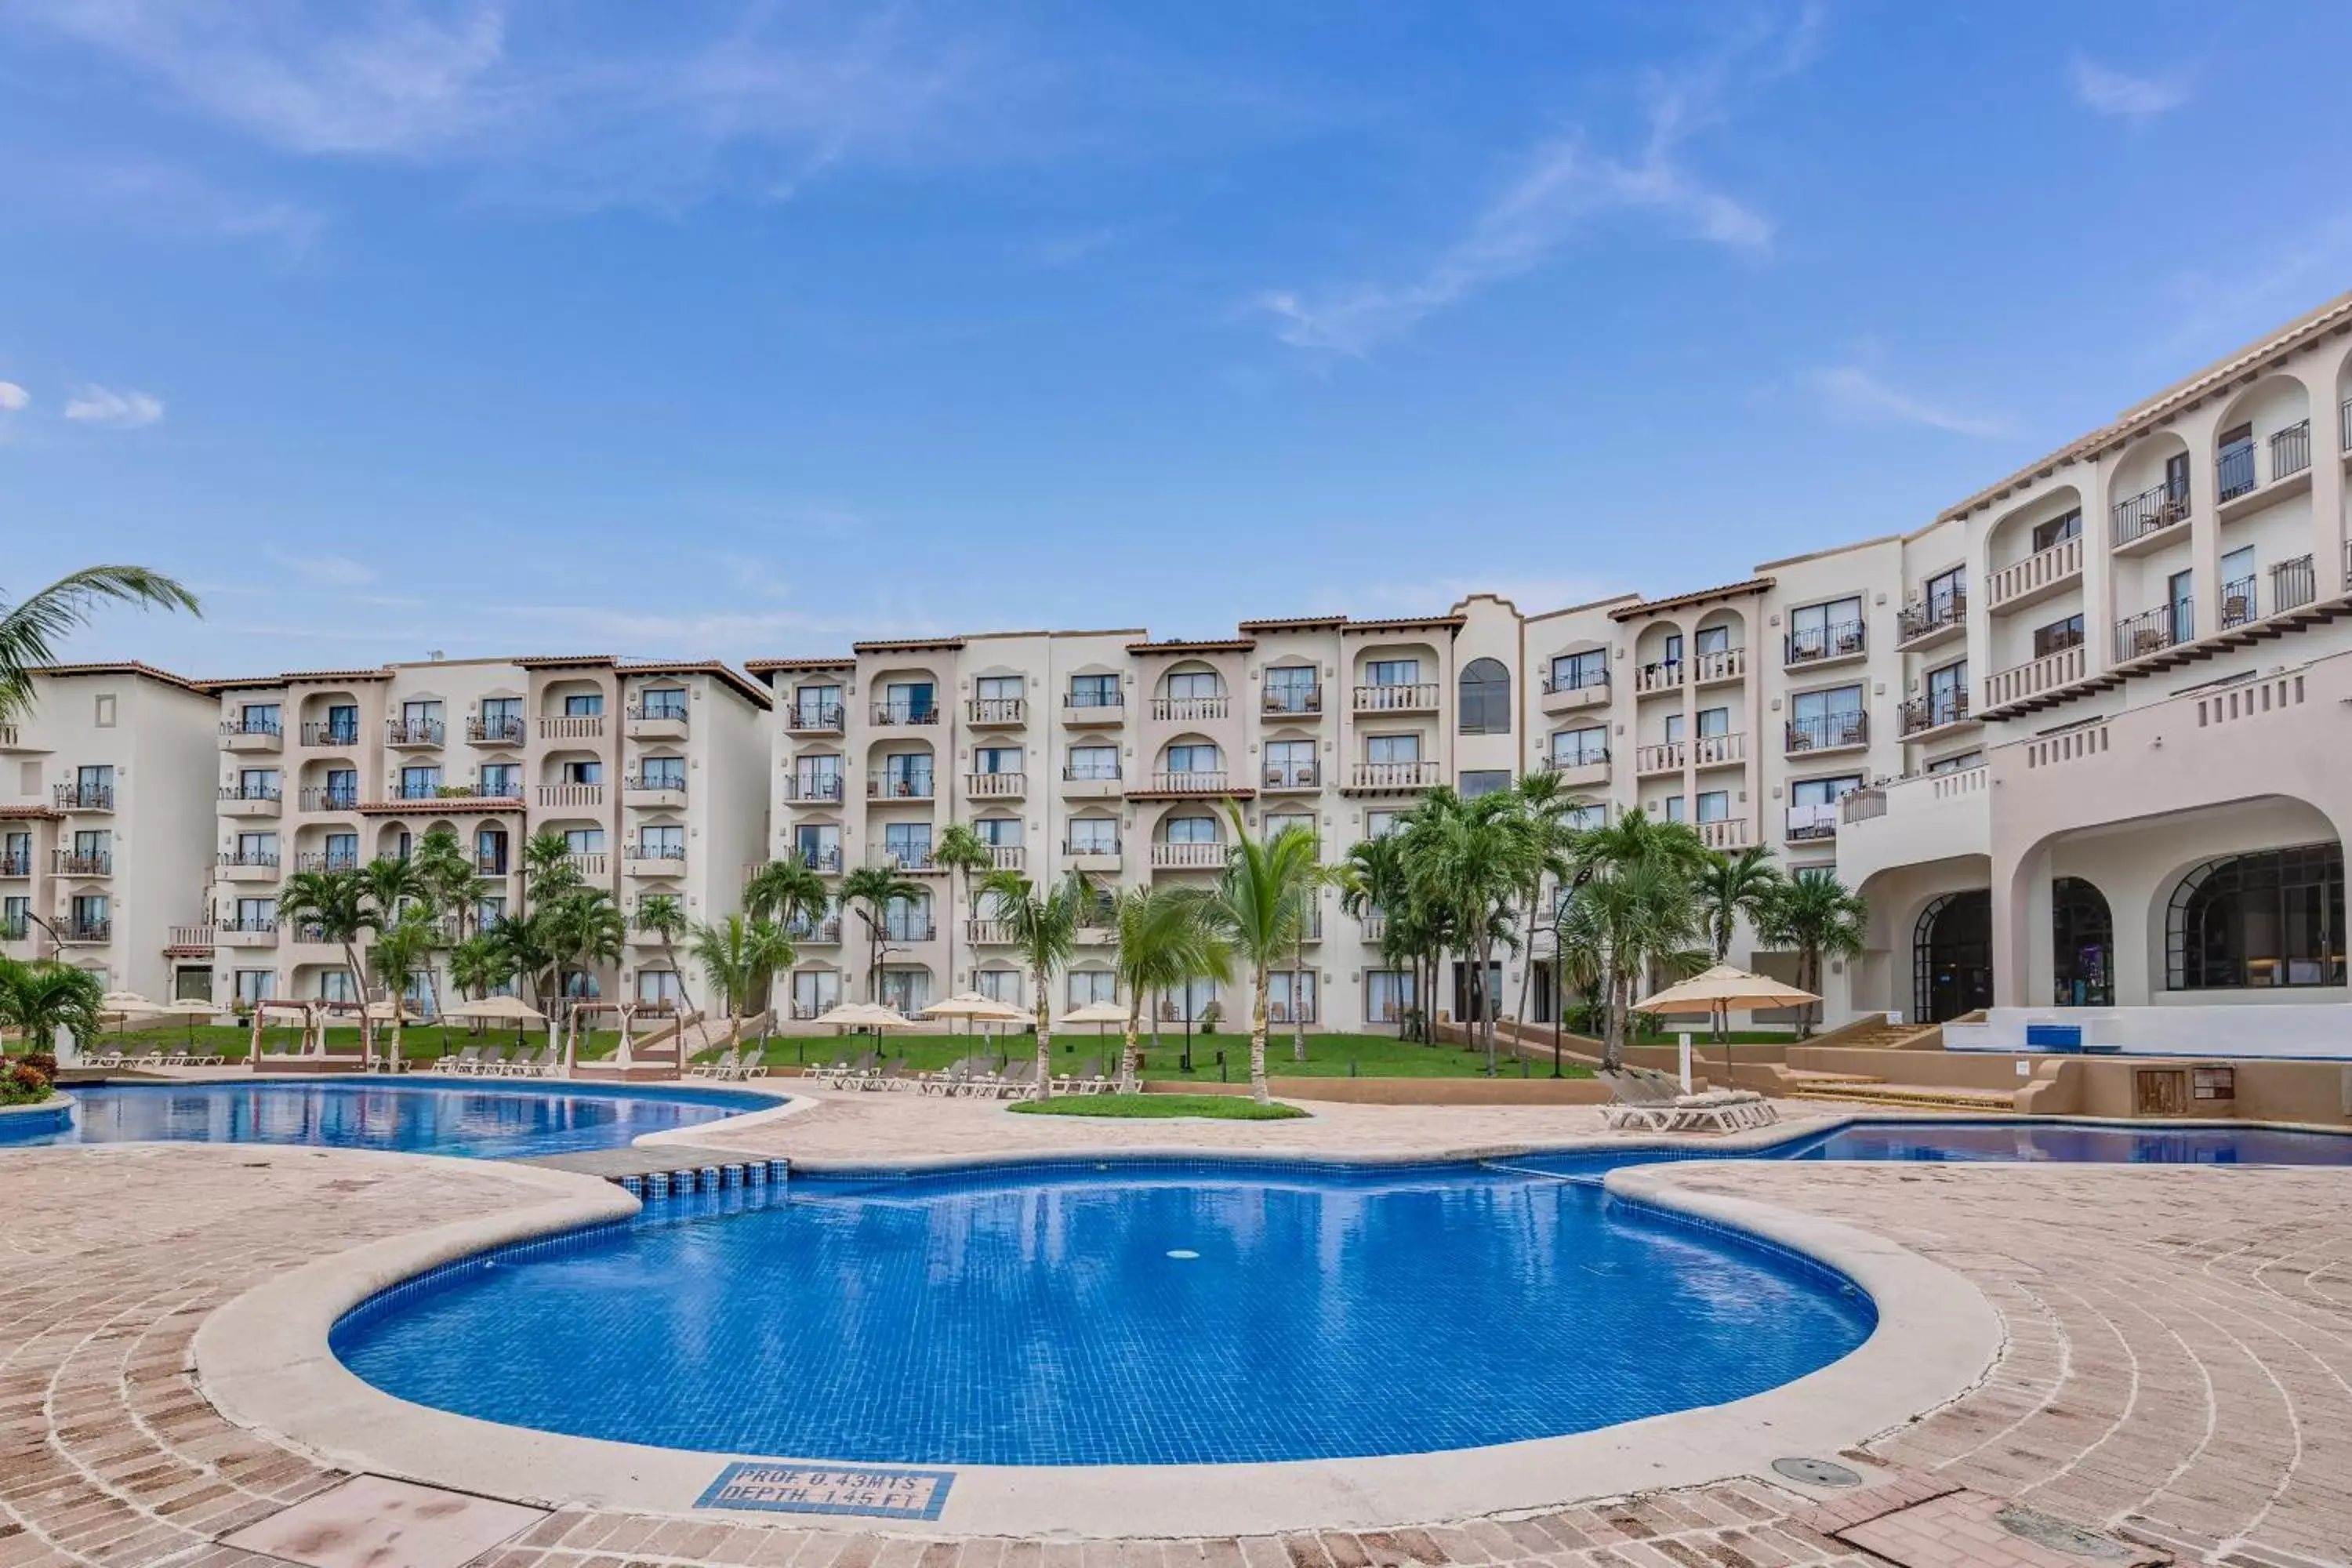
pixel 1911 1097
pixel 676 1181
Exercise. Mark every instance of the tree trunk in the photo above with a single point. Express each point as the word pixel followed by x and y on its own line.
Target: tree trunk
pixel 1129 1072
pixel 670 955
pixel 1044 1037
pixel 367 1031
pixel 1297 1007
pixel 1526 974
pixel 1481 954
pixel 1155 1024
pixel 1612 1044
pixel 1258 1091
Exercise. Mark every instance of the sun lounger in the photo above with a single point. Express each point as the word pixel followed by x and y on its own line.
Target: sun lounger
pixel 721 1066
pixel 753 1062
pixel 1651 1101
pixel 493 1062
pixel 460 1061
pixel 1017 1079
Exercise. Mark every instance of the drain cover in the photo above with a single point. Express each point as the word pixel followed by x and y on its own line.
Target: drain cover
pixel 1817 1472
pixel 2058 1535
pixel 1185 1253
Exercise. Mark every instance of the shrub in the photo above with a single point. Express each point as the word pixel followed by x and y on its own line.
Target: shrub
pixel 24 1084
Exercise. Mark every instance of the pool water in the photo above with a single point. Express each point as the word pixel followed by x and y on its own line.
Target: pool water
pixel 441 1116
pixel 1135 1316
pixel 2078 1141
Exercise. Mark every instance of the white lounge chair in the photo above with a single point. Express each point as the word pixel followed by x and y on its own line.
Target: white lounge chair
pixel 1651 1101
pixel 721 1066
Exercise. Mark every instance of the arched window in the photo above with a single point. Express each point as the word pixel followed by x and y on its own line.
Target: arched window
pixel 1486 698
pixel 2272 918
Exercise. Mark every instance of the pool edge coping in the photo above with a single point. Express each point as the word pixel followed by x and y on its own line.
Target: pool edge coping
pixel 263 1361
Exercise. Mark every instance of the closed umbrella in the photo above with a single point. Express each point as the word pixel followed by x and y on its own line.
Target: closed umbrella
pixel 1722 989
pixel 191 1008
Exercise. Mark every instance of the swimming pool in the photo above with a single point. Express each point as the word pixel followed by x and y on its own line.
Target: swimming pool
pixel 438 1116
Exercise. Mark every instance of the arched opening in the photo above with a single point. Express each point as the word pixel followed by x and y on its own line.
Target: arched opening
pixel 2082 945
pixel 1486 698
pixel 1951 956
pixel 2271 917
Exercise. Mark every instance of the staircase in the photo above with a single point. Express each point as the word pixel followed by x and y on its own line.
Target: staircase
pixel 1854 1089
pixel 1884 1036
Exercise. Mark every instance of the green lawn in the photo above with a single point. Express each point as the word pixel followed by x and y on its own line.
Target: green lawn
pixel 1699 1037
pixel 1328 1056
pixel 420 1044
pixel 1224 1107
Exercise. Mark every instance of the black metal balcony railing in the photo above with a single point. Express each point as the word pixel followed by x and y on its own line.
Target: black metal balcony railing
pixel 652 781
pixel 15 865
pixel 815 717
pixel 493 864
pixel 2290 450
pixel 657 852
pixel 330 732
pixel 2234 470
pixel 87 930
pixel 255 726
pixel 98 863
pixel 1091 773
pixel 906 857
pixel 827 858
pixel 908 930
pixel 257 859
pixel 249 792
pixel 327 860
pixel 2153 631
pixel 1927 616
pixel 1090 847
pixel 14 928
pixel 2293 584
pixel 414 731
pixel 675 708
pixel 1824 642
pixel 2239 602
pixel 1292 775
pixel 1294 699
pixel 1094 699
pixel 2159 507
pixel 801 927
pixel 85 797
pixel 409 789
pixel 1822 731
pixel 906 713
pixel 328 798
pixel 813 787
pixel 1577 682
pixel 1934 711
pixel 1578 757
pixel 256 925
pixel 899 786
pixel 500 730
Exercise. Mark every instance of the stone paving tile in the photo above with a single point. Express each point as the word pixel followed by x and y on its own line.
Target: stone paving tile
pixel 2178 1372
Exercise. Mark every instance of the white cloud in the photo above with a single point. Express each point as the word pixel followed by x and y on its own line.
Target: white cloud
pixel 1850 393
pixel 1561 187
pixel 13 397
pixel 2115 93
pixel 125 410
pixel 326 571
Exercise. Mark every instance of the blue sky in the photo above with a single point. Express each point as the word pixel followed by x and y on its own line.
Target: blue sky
pixel 746 327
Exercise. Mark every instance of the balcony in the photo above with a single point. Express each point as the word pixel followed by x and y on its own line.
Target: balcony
pixel 996 786
pixel 1291 778
pixel 1373 924
pixel 2061 667
pixel 815 719
pixel 2293 584
pixel 490 864
pixel 500 730
pixel 572 796
pixel 1090 782
pixel 1824 645
pixel 904 715
pixel 572 727
pixel 661 790
pixel 85 933
pixel 330 732
pixel 1299 702
pixel 823 858
pixel 329 799
pixel 84 797
pixel 1660 675
pixel 1665 757
pixel 13 739
pixel 413 734
pixel 1729 833
pixel 654 721
pixel 1721 666
pixel 1719 751
pixel 1007 857
pixel 987 933
pixel 1418 697
pixel 252 735
pixel 1093 857
pixel 1925 718
pixel 1190 709
pixel 67 863
pixel 996 712
pixel 1829 732
pixel 1915 821
pixel 906 931
pixel 15 928
pixel 2041 575
pixel 185 939
pixel 1167 856
pixel 2240 604
pixel 1588 769
pixel 654 860
pixel 1086 712
pixel 2153 631
pixel 808 932
pixel 1567 695
pixel 1189 781
pixel 1924 622
pixel 813 789
pixel 327 860
pixel 1387 776
pixel 910 857
pixel 1808 823
pixel 589 865
pixel 2141 521
pixel 14 866
pixel 249 800
pixel 260 931
pixel 899 786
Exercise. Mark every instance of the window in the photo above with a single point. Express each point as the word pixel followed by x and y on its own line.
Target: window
pixel 342 851
pixel 1575 671
pixel 1711 639
pixel 1484 781
pixel 89 913
pixel 658 987
pixel 2274 918
pixel 342 789
pixel 1591 814
pixel 584 840
pixel 996 760
pixel 1825 630
pixel 2238 586
pixel 1966 760
pixel 1715 805
pixel 1289 764
pixel 815 992
pixel 1094 762
pixel 907 919
pixel 999 985
pixel 583 984
pixel 1579 748
pixel 501 718
pixel 818 845
pixel 1394 671
pixel 1191 759
pixel 907 774
pixel 1191 830
pixel 1947 594
pixel 1289 995
pixel 15 918
pixel 1392 748
pixel 421 714
pixel 2058 635
pixel 817 777
pixel 258 718
pixel 815 707
pixel 1088 986
pixel 2234 463
pixel 1674 731
pixel 1947 693
pixel 910 702
pixel 1093 691
pixel 2181 605
pixel 93 844
pixel 1279 822
pixel 583 705
pixel 2057 531
pixel 1194 684
pixel 256 914
pixel 908 990
pixel 255 986
pixel 997 689
pixel 1094 836
pixel 1002 832
pixel 1713 722
pixel 257 848
pixel 1290 689
pixel 401 845
pixel 663 702
pixel 1673 812
pixel 908 843
pixel 103 714
pixel 1389 995
pixel 662 773
pixel 1486 698
pixel 419 783
pixel 1380 824
pixel 1670 653
pixel 1830 718
pixel 335 985
pixel 257 784
pixel 2176 478
pixel 661 842
pixel 1822 791
pixel 501 780
pixel 584 771
pixel 490 851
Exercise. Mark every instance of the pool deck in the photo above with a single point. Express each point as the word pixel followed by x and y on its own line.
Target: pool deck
pixel 2173 1366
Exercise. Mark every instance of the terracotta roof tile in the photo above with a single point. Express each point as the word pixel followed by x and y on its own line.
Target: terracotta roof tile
pixel 1640 607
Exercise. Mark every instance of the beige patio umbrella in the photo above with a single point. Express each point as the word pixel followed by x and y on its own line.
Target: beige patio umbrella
pixel 975 1008
pixel 1722 989
pixel 127 1004
pixel 863 1015
pixel 497 1010
pixel 191 1008
pixel 1100 1013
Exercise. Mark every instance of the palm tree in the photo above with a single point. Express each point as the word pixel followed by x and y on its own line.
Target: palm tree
pixel 962 851
pixel 479 965
pixel 1165 940
pixel 1819 916
pixel 1471 859
pixel 788 892
pixel 39 998
pixel 520 942
pixel 337 903
pixel 1544 805
pixel 1372 881
pixel 401 945
pixel 1044 929
pixel 1258 908
pixel 548 870
pixel 875 887
pixel 31 628
pixel 1730 888
pixel 583 928
pixel 1623 922
pixel 448 881
pixel 665 917
pixel 740 954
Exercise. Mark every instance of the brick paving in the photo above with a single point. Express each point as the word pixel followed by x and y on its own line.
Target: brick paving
pixel 2179 1345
